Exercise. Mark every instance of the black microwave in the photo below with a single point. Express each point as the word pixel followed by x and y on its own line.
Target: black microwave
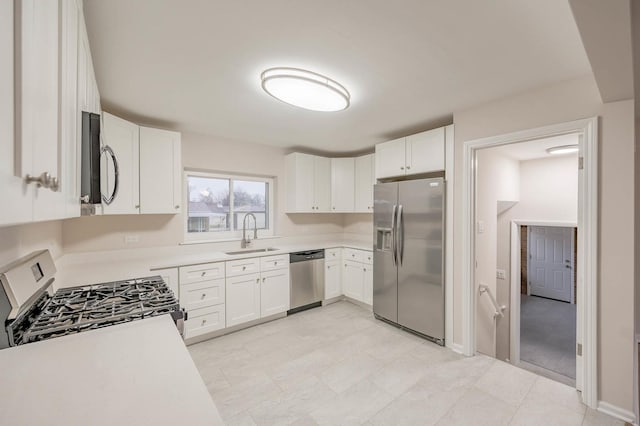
pixel 94 153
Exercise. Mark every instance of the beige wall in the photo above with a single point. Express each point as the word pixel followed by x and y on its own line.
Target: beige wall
pixel 16 241
pixel 560 103
pixel 208 154
pixel 497 180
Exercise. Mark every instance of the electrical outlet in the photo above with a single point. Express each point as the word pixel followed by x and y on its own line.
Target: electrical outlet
pixel 480 227
pixel 501 274
pixel 131 239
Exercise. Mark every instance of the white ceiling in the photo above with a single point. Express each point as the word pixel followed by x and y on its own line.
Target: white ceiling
pixel 194 65
pixel 535 149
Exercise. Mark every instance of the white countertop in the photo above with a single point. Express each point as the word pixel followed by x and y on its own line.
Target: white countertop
pixel 138 373
pixel 94 267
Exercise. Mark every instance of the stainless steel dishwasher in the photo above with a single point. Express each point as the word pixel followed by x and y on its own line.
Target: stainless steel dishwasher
pixel 307 280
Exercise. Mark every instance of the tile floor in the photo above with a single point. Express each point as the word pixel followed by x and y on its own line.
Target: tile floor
pixel 337 365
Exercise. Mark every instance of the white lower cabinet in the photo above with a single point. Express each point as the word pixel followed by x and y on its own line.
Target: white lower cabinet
pixel 202 295
pixel 255 295
pixel 332 279
pixel 274 292
pixel 368 285
pixel 357 275
pixel 205 320
pixel 353 280
pixel 243 299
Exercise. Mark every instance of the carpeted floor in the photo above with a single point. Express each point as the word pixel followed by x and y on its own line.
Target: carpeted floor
pixel 548 334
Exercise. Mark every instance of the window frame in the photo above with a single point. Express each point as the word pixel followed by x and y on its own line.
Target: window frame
pixel 230 235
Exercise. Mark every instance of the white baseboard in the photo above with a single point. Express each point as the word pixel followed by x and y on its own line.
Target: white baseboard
pixel 456 347
pixel 617 412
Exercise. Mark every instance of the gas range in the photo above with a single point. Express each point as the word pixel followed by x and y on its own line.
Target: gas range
pixel 43 314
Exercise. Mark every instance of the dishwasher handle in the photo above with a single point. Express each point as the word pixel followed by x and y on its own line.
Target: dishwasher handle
pixel 305 256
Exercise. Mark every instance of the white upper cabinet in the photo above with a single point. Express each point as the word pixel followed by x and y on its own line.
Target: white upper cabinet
pixel 45 62
pixel 160 177
pixel 365 179
pixel 308 183
pixel 425 152
pixel 342 184
pixel 415 154
pixel 120 172
pixel 17 199
pixel 390 158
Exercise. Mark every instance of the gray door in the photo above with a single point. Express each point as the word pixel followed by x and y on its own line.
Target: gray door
pixel 385 271
pixel 420 252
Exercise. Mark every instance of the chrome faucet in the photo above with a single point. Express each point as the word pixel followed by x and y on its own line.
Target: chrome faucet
pixel 247 241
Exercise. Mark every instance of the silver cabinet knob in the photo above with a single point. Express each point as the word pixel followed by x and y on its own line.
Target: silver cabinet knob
pixel 263 279
pixel 204 321
pixel 137 206
pixel 203 296
pixel 177 207
pixel 275 263
pixel 203 274
pixel 408 167
pixel 401 168
pixel 258 280
pixel 244 267
pixel 84 199
pixel 45 180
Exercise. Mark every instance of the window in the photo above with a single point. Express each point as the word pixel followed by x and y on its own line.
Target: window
pixel 218 204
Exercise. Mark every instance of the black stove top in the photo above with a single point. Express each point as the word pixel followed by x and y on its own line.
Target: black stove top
pixel 76 309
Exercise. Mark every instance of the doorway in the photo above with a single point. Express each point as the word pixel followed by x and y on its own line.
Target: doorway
pixel 544 338
pixel 586 266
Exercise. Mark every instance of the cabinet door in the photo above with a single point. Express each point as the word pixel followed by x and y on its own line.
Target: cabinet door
pixel 425 151
pixel 342 184
pixel 390 159
pixel 123 138
pixel 17 199
pixel 243 299
pixel 353 280
pixel 37 101
pixel 69 112
pixel 332 281
pixel 368 284
pixel 160 171
pixel 300 177
pixel 364 183
pixel 274 292
pixel 322 184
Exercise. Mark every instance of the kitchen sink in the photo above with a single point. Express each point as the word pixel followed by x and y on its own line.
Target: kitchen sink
pixel 264 250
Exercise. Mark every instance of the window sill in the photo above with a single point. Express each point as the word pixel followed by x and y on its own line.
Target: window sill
pixel 226 240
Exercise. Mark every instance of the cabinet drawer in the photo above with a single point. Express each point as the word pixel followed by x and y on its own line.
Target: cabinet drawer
pixel 354 255
pixel 271 263
pixel 367 257
pixel 204 272
pixel 332 254
pixel 202 294
pixel 205 320
pixel 243 266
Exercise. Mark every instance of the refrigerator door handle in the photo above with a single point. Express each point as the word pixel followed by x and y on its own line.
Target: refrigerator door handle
pixel 394 242
pixel 400 228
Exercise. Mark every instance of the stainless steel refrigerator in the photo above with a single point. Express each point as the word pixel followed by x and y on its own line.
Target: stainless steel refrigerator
pixel 408 259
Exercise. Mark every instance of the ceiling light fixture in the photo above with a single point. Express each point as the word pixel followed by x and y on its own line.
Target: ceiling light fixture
pixel 564 149
pixel 305 89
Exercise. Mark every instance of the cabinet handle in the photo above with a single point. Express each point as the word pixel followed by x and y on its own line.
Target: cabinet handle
pixel 178 206
pixel 204 321
pixel 364 269
pixel 334 207
pixel 401 168
pixel 45 180
pixel 203 296
pixel 244 267
pixel 203 274
pixel 258 280
pixel 137 206
pixel 263 279
pixel 408 167
pixel 353 255
pixel 275 263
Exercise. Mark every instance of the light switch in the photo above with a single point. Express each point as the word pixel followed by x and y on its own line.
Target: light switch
pixel 501 274
pixel 480 227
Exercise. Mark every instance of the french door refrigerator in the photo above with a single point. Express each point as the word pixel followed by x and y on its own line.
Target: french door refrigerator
pixel 408 258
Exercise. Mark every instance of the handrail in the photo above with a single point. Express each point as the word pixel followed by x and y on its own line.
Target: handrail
pixel 483 288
